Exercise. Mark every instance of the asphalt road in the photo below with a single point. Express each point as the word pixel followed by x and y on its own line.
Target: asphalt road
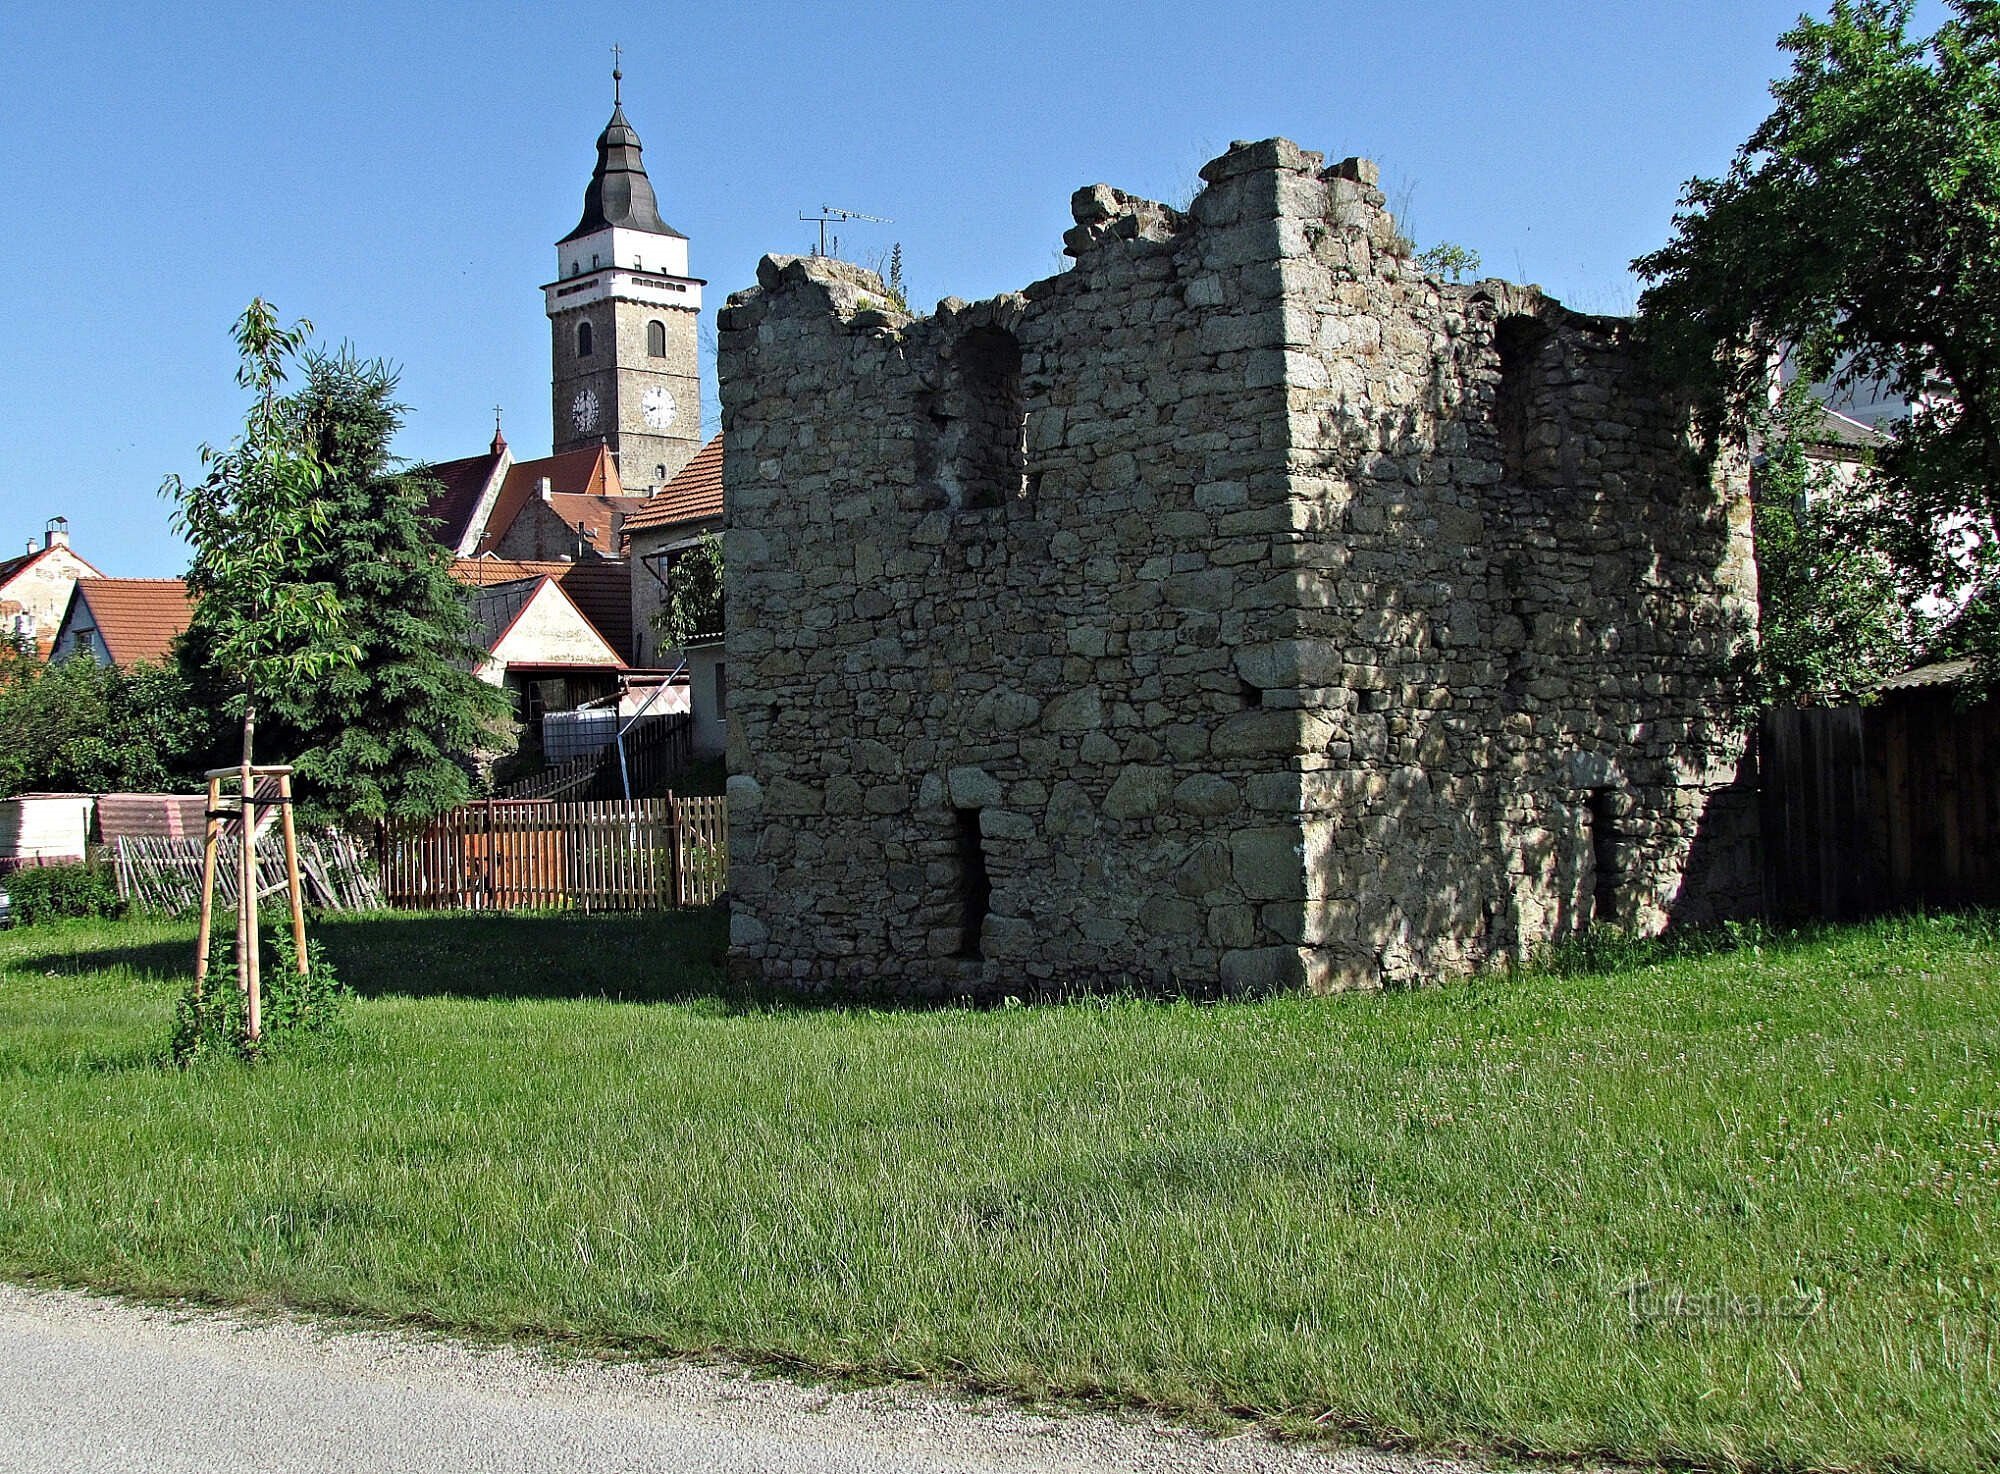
pixel 92 1386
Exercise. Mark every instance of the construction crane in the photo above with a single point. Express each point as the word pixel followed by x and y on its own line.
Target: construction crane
pixel 828 215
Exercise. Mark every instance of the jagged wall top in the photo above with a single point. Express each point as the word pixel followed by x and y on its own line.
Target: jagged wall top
pixel 1352 203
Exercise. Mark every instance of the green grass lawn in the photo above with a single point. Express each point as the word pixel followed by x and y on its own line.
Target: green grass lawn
pixel 1406 1217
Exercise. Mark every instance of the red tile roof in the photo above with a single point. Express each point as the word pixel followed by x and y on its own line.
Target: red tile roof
pixel 589 475
pixel 596 515
pixel 459 485
pixel 136 618
pixel 602 591
pixel 694 495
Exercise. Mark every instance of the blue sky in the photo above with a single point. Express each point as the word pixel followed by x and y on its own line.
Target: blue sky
pixel 400 174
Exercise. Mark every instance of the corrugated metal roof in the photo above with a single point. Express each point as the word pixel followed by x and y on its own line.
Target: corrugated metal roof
pixel 1942 673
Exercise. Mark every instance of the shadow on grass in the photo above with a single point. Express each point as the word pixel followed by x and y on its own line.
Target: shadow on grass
pixel 1607 950
pixel 639 957
pixel 681 957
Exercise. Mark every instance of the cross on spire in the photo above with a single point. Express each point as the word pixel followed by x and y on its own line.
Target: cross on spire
pixel 617 76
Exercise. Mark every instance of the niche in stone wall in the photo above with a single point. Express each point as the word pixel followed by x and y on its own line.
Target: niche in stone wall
pixel 1605 806
pixel 972 430
pixel 975 886
pixel 1523 406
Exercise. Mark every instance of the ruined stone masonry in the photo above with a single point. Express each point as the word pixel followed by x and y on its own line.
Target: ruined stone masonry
pixel 1238 609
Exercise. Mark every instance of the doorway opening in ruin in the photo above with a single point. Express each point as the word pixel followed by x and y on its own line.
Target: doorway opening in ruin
pixel 975 887
pixel 1601 826
pixel 1520 341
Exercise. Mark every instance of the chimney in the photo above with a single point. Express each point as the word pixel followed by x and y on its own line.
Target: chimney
pixel 545 488
pixel 56 535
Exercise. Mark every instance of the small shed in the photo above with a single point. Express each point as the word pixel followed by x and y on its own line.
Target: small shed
pixel 44 829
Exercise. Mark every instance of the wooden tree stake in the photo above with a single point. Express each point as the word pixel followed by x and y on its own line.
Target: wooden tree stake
pixel 246 912
pixel 296 891
pixel 211 845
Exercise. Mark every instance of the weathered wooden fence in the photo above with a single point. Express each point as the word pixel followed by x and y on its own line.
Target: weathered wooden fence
pixel 1880 808
pixel 1813 786
pixel 531 855
pixel 164 874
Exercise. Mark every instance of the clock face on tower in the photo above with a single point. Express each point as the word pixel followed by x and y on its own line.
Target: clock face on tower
pixel 657 404
pixel 583 411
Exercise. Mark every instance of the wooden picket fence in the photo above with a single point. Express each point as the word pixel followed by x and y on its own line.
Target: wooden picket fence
pixel 535 855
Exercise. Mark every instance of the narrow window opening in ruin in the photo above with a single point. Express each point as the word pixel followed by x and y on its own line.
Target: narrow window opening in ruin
pixel 993 443
pixel 975 888
pixel 1250 695
pixel 1601 824
pixel 1520 341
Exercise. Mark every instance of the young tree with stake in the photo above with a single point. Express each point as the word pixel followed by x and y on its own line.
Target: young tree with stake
pixel 257 523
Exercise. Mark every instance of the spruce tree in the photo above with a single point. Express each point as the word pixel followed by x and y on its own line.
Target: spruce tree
pixel 395 734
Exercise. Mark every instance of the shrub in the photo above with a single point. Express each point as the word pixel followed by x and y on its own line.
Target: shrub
pixel 300 1011
pixel 51 892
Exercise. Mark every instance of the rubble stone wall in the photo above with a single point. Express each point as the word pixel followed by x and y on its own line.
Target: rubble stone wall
pixel 1237 609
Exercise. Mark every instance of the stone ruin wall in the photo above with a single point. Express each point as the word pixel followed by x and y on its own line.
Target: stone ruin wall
pixel 1237 609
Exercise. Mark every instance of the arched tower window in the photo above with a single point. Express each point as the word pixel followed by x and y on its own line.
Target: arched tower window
pixel 583 340
pixel 656 339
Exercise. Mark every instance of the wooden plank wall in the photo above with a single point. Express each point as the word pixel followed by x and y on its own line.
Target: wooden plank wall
pixel 1935 770
pixel 1890 807
pixel 1815 810
pixel 535 855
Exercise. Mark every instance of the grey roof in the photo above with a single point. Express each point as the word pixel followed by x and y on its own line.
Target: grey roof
pixel 619 192
pixel 1943 673
pixel 496 606
pixel 1837 429
pixel 1834 436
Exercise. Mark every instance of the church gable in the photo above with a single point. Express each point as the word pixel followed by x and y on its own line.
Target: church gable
pixel 561 506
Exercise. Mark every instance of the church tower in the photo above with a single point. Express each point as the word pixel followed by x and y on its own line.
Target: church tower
pixel 622 317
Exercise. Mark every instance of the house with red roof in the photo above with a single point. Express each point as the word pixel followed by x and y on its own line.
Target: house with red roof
pixel 554 507
pixel 664 529
pixel 123 621
pixel 35 588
